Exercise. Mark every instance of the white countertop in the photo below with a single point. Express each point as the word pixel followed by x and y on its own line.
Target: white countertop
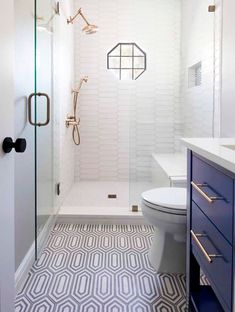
pixel 174 164
pixel 214 150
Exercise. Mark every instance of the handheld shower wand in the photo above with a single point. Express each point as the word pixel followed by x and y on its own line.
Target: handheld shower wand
pixel 82 80
pixel 72 120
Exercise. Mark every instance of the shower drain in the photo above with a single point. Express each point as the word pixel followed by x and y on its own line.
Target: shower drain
pixel 135 208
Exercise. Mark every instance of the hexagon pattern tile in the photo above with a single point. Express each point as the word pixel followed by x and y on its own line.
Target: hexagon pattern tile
pixel 99 268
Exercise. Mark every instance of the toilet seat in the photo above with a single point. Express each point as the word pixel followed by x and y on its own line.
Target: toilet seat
pixel 171 200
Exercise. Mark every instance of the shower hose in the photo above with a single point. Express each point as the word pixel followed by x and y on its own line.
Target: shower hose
pixel 76 133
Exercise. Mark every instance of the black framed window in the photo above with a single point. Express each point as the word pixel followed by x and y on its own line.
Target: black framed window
pixel 127 61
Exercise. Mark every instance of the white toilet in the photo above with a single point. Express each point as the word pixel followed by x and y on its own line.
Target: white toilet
pixel 165 209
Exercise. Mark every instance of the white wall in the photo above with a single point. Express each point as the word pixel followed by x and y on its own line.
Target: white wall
pixel 63 83
pixel 122 122
pixel 201 42
pixel 143 112
pixel 7 289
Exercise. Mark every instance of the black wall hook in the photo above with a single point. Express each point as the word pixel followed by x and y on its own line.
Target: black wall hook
pixel 19 145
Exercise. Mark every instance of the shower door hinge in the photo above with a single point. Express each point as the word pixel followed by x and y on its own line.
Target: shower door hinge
pixel 57 8
pixel 58 188
pixel 112 196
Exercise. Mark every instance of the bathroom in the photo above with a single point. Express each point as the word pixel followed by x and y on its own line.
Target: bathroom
pixel 100 95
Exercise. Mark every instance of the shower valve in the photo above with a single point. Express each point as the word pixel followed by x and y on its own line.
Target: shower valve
pixel 71 121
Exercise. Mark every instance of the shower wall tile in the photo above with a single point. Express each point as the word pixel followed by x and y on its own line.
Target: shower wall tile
pixel 201 42
pixel 123 122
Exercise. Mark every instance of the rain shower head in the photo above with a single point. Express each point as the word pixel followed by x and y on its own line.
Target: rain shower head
pixel 89 28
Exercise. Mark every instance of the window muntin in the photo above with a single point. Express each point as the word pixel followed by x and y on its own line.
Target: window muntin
pixel 127 60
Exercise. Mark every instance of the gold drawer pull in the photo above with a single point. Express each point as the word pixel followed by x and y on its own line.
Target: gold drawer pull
pixel 210 199
pixel 208 256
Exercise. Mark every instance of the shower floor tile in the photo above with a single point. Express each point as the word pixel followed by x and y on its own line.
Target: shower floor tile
pixel 99 268
pixel 91 198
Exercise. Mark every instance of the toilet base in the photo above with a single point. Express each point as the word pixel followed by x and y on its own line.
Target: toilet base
pixel 166 254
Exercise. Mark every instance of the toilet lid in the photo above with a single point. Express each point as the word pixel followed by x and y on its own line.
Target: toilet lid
pixel 166 199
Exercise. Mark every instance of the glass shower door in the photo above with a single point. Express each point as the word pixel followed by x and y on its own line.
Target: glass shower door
pixel 178 102
pixel 45 12
pixel 24 191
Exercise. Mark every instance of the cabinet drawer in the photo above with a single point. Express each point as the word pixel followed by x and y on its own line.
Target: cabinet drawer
pixel 214 255
pixel 212 191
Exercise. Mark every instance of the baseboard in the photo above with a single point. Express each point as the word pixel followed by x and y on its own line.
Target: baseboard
pixel 43 236
pixel 26 264
pixel 21 273
pixel 99 219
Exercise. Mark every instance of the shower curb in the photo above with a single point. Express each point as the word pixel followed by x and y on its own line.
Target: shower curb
pixel 100 219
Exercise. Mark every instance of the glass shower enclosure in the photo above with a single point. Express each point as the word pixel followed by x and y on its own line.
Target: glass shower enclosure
pixel 44 116
pixel 34 111
pixel 175 98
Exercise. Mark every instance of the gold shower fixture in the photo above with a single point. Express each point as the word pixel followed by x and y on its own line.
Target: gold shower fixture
pixel 89 28
pixel 72 120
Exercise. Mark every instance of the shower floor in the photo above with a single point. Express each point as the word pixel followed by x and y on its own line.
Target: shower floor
pixel 89 202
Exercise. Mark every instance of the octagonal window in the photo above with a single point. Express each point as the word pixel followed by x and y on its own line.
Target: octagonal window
pixel 127 61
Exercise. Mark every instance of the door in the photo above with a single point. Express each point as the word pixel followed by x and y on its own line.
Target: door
pixel 33 98
pixel 6 160
pixel 24 85
pixel 46 12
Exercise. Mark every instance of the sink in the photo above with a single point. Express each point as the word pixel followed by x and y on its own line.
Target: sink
pixel 232 147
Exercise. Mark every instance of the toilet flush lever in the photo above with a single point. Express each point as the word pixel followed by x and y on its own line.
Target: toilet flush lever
pixel 19 145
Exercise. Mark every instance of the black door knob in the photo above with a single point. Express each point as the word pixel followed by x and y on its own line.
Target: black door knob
pixel 19 145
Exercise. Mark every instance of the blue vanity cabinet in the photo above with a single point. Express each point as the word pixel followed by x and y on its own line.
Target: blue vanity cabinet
pixel 210 231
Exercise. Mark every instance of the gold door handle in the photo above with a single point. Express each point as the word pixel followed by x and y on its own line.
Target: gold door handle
pixel 210 199
pixel 209 257
pixel 39 124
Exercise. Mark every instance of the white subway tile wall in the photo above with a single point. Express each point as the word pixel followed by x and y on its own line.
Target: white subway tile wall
pixel 123 122
pixel 201 42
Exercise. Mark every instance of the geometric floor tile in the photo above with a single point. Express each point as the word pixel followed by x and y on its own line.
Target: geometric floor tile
pixel 100 268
